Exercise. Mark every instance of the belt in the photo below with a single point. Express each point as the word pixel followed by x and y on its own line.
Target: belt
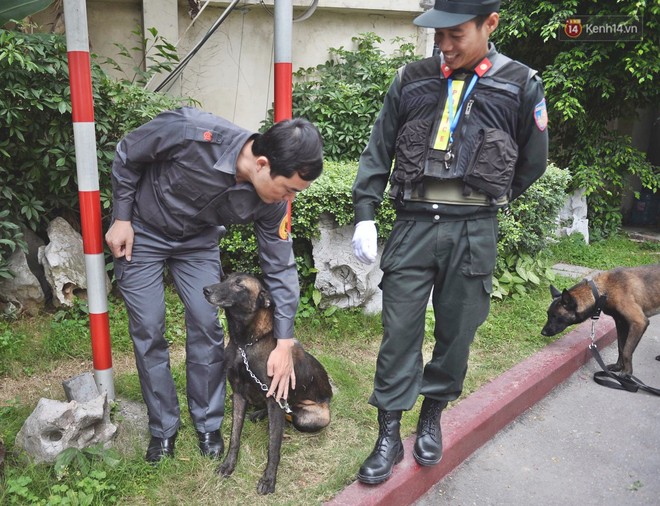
pixel 450 191
pixel 430 217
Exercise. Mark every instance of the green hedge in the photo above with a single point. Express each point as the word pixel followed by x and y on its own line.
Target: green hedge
pixel 37 158
pixel 37 151
pixel 525 226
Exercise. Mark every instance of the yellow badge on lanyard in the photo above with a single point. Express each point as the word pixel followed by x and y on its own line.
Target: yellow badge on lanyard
pixel 442 138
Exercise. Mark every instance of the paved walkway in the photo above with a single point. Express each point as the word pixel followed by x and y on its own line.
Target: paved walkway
pixel 583 444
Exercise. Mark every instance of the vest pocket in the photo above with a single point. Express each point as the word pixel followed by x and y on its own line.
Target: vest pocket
pixel 492 166
pixel 411 146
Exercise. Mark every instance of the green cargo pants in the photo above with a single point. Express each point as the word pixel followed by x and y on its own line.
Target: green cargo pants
pixel 454 259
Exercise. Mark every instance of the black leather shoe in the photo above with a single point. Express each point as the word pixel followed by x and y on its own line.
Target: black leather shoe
pixel 388 450
pixel 428 444
pixel 159 448
pixel 211 444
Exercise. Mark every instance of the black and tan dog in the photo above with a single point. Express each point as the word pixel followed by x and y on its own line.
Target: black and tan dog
pixel 629 295
pixel 249 312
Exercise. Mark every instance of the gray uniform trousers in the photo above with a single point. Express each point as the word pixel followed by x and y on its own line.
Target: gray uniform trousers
pixel 193 263
pixel 456 260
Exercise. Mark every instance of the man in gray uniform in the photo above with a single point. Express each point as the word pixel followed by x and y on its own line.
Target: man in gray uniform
pixel 177 181
pixel 467 132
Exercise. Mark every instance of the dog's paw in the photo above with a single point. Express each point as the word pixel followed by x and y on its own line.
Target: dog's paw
pixel 258 415
pixel 226 468
pixel 266 485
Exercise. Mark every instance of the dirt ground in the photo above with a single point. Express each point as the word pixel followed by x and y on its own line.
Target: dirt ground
pixel 49 383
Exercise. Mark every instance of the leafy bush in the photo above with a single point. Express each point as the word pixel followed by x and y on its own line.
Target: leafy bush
pixel 11 237
pixel 530 219
pixel 525 227
pixel 344 95
pixel 82 479
pixel 589 85
pixel 37 155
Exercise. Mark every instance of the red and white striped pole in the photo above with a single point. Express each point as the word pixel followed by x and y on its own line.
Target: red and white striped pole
pixel 80 79
pixel 283 68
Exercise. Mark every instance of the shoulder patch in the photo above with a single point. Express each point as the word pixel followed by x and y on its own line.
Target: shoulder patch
pixel 283 231
pixel 541 115
pixel 194 133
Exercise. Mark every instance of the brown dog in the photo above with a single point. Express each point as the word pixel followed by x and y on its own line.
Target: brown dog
pixel 249 312
pixel 629 295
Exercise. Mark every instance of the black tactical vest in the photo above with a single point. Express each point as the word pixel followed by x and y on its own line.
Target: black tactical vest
pixel 485 139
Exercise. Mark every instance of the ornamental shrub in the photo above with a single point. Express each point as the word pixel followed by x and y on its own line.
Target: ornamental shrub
pixel 526 226
pixel 344 95
pixel 37 152
pixel 591 86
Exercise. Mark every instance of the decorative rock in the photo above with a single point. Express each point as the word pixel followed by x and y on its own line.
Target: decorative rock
pixel 573 216
pixel 81 388
pixel 343 280
pixel 55 426
pixel 64 263
pixel 22 293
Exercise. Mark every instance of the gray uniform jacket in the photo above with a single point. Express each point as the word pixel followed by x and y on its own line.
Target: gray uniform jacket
pixel 176 174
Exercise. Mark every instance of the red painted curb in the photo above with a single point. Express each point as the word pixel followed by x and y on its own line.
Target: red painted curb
pixel 481 415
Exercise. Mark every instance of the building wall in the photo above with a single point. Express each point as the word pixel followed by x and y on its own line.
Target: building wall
pixel 232 74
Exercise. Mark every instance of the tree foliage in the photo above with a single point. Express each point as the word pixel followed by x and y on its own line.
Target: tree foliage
pixel 37 151
pixel 589 87
pixel 344 95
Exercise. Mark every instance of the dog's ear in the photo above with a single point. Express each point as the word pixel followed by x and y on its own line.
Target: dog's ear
pixel 554 292
pixel 264 299
pixel 568 301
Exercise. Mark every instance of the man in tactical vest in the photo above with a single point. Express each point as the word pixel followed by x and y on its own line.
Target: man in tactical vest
pixel 466 130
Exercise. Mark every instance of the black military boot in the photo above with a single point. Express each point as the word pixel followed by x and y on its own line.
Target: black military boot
pixel 428 444
pixel 388 450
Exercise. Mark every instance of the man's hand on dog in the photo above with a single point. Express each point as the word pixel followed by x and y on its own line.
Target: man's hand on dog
pixel 280 368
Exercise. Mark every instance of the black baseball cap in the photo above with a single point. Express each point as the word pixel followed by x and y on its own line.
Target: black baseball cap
pixel 448 13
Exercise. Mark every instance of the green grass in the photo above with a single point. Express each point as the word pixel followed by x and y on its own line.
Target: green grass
pixel 313 467
pixel 616 251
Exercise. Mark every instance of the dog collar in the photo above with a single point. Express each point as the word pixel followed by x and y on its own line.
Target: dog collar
pixel 597 298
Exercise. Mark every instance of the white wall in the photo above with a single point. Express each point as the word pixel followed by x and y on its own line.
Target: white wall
pixel 232 75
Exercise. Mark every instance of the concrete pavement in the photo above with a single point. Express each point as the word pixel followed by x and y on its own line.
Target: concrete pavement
pixel 583 444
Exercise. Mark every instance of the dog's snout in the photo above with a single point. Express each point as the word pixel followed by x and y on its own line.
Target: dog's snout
pixel 207 291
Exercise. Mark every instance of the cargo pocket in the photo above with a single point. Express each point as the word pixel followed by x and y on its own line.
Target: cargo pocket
pixel 482 244
pixel 395 244
pixel 119 265
pixel 492 166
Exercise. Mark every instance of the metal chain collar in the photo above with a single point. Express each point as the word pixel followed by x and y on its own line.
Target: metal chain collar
pixel 282 402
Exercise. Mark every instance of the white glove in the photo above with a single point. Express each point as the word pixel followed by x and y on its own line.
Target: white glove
pixel 365 241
